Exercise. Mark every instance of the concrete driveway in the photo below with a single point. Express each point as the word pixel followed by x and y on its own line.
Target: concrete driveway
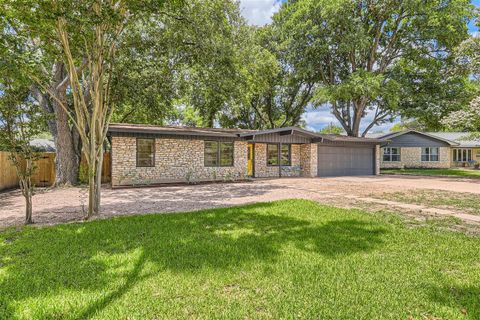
pixel 68 204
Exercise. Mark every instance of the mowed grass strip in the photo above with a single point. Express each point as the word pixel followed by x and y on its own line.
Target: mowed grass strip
pixel 454 172
pixel 287 259
pixel 465 202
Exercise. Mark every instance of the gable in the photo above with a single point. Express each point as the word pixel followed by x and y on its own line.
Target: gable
pixel 414 139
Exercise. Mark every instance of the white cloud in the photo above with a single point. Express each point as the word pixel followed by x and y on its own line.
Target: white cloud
pixel 259 12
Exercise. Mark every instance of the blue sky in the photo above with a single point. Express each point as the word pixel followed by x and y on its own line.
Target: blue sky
pixel 259 12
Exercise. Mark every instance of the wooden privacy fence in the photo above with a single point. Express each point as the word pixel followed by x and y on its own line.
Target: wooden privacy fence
pixel 44 175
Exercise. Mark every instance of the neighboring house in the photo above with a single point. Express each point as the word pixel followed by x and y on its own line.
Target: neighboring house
pixel 43 145
pixel 146 154
pixel 414 149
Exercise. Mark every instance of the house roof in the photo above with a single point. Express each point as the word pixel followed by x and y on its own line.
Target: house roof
pixel 43 145
pixel 175 130
pixel 392 135
pixel 231 133
pixel 459 139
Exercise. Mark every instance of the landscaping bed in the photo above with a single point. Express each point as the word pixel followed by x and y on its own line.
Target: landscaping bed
pixel 285 259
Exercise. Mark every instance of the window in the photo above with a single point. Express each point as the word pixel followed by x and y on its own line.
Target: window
pixel 462 155
pixel 211 153
pixel 226 154
pixel 277 156
pixel 218 154
pixel 272 155
pixel 391 154
pixel 145 152
pixel 285 155
pixel 430 154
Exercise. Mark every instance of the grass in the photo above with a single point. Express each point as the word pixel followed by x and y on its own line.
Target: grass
pixel 453 172
pixel 466 202
pixel 287 259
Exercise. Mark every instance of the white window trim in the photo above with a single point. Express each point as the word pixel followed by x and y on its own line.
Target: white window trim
pixel 459 152
pixel 429 155
pixel 390 154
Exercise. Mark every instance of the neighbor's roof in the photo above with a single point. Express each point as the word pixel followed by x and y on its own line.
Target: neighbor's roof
pixel 44 145
pixel 230 133
pixel 462 138
pixel 459 139
pixel 392 135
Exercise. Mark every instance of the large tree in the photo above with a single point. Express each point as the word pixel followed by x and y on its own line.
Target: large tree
pixel 363 50
pixel 30 48
pixel 272 94
pixel 88 33
pixel 193 49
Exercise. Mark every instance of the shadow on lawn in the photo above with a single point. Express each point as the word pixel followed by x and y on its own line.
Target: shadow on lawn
pixel 76 257
pixel 464 299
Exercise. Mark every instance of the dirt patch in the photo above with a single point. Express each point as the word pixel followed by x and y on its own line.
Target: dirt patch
pixel 61 205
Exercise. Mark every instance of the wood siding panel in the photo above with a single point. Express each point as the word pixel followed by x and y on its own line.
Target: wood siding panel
pixel 413 139
pixel 277 138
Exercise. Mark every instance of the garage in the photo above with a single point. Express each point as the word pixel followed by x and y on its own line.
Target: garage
pixel 334 161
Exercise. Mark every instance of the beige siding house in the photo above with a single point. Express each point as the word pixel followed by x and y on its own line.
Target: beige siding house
pixel 414 149
pixel 145 154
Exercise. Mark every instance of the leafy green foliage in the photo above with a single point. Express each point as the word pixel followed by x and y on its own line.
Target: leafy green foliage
pixel 20 121
pixel 467 119
pixel 332 129
pixel 368 57
pixel 182 58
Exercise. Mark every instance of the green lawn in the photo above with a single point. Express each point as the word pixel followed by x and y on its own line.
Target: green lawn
pixel 288 259
pixel 466 202
pixel 454 172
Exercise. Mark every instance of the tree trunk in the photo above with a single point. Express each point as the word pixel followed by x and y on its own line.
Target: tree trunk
pixel 67 160
pixel 91 191
pixel 26 187
pixel 28 207
pixel 98 182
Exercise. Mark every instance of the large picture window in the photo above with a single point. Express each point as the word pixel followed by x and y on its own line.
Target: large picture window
pixel 218 154
pixel 391 154
pixel 277 155
pixel 430 154
pixel 462 155
pixel 145 152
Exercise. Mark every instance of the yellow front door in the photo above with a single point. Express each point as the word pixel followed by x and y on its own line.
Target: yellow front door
pixel 250 160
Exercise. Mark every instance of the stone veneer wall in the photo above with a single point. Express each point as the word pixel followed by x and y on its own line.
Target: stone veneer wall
pixel 378 154
pixel 264 171
pixel 308 159
pixel 411 158
pixel 176 160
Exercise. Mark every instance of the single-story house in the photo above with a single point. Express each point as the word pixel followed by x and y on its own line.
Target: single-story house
pixel 414 149
pixel 147 154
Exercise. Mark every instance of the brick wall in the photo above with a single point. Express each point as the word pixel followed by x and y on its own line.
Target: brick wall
pixel 411 158
pixel 176 160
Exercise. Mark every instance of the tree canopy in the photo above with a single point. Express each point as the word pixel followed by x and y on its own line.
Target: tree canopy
pixel 368 57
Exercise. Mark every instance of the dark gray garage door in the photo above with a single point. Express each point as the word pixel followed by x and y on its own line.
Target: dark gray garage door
pixel 345 161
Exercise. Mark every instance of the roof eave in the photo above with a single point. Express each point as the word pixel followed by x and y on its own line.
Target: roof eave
pixel 173 133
